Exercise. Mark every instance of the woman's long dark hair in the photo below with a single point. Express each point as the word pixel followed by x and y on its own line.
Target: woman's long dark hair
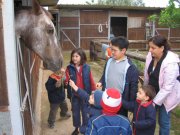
pixel 160 41
pixel 81 53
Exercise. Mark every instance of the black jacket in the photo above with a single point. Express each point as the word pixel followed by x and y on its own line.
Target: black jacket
pixel 55 94
pixel 131 85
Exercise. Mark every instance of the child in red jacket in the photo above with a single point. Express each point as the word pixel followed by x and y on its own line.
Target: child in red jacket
pixel 80 73
pixel 144 117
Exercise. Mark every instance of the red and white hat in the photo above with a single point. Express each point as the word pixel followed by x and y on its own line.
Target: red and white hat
pixel 111 100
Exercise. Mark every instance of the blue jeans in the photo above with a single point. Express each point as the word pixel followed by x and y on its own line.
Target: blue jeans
pixel 164 121
pixel 79 107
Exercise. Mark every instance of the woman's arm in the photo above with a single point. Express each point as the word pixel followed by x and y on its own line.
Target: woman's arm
pixel 168 77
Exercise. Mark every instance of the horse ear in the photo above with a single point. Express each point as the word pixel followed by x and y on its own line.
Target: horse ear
pixel 36 7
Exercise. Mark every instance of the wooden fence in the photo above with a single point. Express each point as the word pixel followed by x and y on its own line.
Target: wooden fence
pixel 97 51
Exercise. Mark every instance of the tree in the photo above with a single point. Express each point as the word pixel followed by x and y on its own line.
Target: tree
pixel 170 16
pixel 138 3
pixel 121 2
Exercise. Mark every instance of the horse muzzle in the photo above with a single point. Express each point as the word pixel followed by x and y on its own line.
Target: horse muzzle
pixel 53 66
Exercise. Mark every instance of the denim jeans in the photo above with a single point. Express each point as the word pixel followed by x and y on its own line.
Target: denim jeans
pixel 164 120
pixel 78 106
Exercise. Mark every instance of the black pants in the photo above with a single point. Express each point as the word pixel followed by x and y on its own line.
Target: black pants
pixel 54 109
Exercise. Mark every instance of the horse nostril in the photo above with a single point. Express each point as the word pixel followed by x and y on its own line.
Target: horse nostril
pixel 53 65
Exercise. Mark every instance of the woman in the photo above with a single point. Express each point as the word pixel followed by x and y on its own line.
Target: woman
pixel 162 71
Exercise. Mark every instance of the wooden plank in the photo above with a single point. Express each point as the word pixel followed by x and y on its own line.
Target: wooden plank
pixel 69 21
pixel 3 83
pixel 48 2
pixel 136 55
pixel 93 31
pixel 4 109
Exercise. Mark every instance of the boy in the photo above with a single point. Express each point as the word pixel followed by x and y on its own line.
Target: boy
pixel 144 118
pixel 120 73
pixel 108 52
pixel 56 96
pixel 109 123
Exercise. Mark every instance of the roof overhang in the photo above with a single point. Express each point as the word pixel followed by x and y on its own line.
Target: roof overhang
pixel 104 7
pixel 48 2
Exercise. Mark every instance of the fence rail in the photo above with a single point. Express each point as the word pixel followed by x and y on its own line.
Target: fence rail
pixel 96 51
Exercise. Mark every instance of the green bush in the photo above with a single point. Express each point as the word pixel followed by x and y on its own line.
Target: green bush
pixel 140 65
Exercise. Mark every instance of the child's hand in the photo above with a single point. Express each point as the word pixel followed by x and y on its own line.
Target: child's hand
pixel 58 83
pixel 62 72
pixel 98 85
pixel 73 85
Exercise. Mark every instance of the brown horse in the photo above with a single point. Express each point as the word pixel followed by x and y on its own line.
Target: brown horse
pixel 36 29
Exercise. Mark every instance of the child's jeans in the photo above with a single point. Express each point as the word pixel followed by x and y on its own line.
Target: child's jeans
pixel 54 109
pixel 79 106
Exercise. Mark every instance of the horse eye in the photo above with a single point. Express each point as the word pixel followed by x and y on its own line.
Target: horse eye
pixel 50 31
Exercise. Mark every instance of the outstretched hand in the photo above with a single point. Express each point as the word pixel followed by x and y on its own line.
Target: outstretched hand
pixel 73 85
pixel 99 86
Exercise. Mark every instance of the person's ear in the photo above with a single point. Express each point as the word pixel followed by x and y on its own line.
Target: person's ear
pixel 162 48
pixel 147 98
pixel 123 50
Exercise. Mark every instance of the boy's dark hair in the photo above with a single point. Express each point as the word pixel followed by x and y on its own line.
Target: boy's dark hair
pixel 149 91
pixel 120 42
pixel 81 53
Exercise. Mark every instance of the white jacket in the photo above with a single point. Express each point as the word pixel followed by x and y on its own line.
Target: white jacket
pixel 169 86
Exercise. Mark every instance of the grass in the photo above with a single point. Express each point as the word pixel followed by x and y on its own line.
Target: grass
pixel 175 120
pixel 140 65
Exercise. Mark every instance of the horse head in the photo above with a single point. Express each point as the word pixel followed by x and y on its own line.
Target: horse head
pixel 37 30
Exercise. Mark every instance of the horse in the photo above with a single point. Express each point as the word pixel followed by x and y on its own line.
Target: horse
pixel 35 27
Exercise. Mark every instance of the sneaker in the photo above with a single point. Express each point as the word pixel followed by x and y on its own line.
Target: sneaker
pixel 51 126
pixel 67 115
pixel 75 132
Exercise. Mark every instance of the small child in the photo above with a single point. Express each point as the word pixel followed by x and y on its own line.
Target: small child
pixel 144 118
pixel 108 52
pixel 56 96
pixel 109 122
pixel 93 102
